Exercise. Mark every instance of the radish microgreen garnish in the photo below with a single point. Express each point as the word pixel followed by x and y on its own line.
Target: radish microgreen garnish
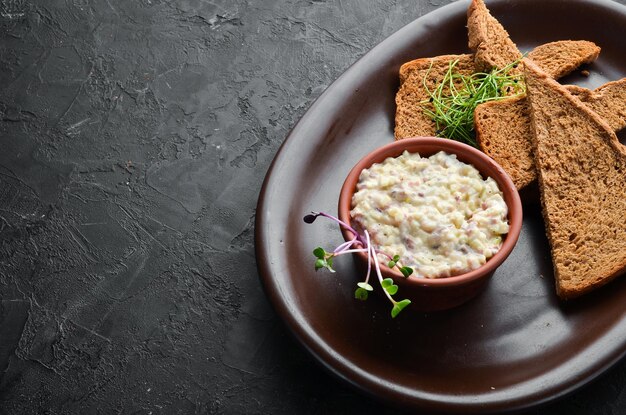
pixel 362 243
pixel 406 271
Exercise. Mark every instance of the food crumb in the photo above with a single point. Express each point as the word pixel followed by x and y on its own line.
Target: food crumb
pixel 584 72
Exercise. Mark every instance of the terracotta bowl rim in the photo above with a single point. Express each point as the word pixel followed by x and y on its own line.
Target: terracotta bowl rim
pixel 505 184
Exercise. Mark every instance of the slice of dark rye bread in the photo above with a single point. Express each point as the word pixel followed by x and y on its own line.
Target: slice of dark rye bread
pixel 560 58
pixel 582 180
pixel 490 42
pixel 410 120
pixel 503 128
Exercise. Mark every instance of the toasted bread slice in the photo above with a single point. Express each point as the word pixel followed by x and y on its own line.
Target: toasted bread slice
pixel 415 77
pixel 503 133
pixel 582 178
pixel 492 46
pixel 410 119
pixel 503 128
pixel 558 59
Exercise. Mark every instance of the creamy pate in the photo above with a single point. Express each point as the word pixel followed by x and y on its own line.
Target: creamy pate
pixel 437 213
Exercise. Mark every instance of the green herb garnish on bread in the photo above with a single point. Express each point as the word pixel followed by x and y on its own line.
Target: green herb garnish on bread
pixel 452 103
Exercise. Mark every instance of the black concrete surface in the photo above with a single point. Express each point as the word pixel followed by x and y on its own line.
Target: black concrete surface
pixel 135 136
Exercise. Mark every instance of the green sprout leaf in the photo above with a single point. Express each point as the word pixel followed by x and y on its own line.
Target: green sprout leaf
pixel 389 286
pixel 393 261
pixel 319 252
pixel 319 264
pixel 399 307
pixel 392 289
pixel 361 294
pixel 406 271
pixel 324 263
pixel 365 286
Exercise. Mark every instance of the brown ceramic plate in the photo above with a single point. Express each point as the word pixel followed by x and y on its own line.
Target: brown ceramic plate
pixel 514 346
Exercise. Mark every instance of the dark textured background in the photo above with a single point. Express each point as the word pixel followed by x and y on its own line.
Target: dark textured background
pixel 135 136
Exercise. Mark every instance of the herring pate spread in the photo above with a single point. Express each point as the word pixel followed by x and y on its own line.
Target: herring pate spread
pixel 437 213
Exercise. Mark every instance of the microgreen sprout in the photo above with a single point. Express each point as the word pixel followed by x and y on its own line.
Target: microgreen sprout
pixel 362 243
pixel 453 101
pixel 406 271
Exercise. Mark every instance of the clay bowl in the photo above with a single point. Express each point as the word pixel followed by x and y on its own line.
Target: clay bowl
pixel 442 293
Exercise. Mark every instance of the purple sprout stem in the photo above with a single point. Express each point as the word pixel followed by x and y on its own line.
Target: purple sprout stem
pixel 345 245
pixel 380 276
pixel 350 251
pixel 369 258
pixel 342 223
